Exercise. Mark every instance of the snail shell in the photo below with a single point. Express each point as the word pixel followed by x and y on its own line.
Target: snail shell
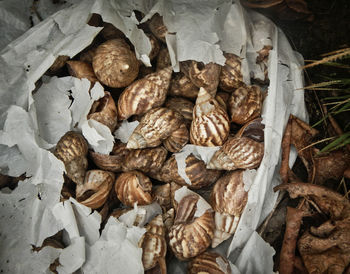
pixel 155 126
pixel 72 149
pixel 105 111
pixel 134 187
pixel 190 235
pixel 109 32
pixel 114 64
pixel 245 104
pixel 178 139
pixel 157 27
pixel 181 85
pixel 168 219
pixel 163 59
pixel 195 170
pixel 81 70
pixel 202 75
pixel 231 77
pixel 210 263
pixel 144 94
pixel 210 125
pixel 95 190
pixel 145 160
pixel 228 199
pixel 222 98
pixel 162 195
pixel 181 105
pixel 87 55
pixel 153 243
pixel 155 47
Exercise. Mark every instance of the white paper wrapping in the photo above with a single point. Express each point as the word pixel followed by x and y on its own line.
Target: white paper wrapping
pixel 32 124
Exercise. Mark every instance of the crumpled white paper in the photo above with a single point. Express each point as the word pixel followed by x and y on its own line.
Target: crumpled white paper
pixel 203 31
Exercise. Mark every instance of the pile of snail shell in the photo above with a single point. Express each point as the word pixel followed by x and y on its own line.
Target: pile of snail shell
pixel 203 104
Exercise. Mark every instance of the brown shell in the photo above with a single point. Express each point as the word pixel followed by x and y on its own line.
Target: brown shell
pixel 202 75
pixel 207 262
pixel 134 187
pixel 104 111
pixel 163 59
pixel 153 243
pixel 109 32
pixel 225 226
pixel 210 125
pixel 245 104
pixel 87 55
pixel 168 219
pixel 155 126
pixel 113 162
pixel 173 188
pixel 72 150
pixel 81 70
pixel 181 105
pixel 222 98
pixel 144 94
pixel 145 160
pixel 161 194
pixel 238 152
pixel 155 45
pixel 231 77
pixel 157 27
pixel 253 129
pixel 95 190
pixel 196 171
pixel 114 64
pixel 178 139
pixel 181 85
pixel 190 236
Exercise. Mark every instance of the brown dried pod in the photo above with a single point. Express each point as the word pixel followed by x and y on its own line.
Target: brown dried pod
pixel 182 105
pixel 210 263
pixel 72 150
pixel 181 85
pixel 145 160
pixel 202 75
pixel 195 170
pixel 58 64
pixel 210 125
pixel 231 77
pixel 109 32
pixel 163 59
pixel 155 126
pixel 222 98
pixel 134 187
pixel 81 70
pixel 155 45
pixel 228 199
pixel 114 64
pixel 191 235
pixel 104 111
pixel 144 94
pixel 178 139
pixel 238 152
pixel 157 27
pixel 245 104
pixel 113 162
pixel 162 196
pixel 153 243
pixel 95 189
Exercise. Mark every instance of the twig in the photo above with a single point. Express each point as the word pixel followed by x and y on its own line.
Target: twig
pixel 286 142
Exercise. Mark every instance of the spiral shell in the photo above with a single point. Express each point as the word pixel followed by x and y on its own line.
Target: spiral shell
pixel 195 170
pixel 238 152
pixel 155 126
pixel 222 98
pixel 95 189
pixel 181 105
pixel 133 187
pixel 109 32
pixel 181 85
pixel 245 104
pixel 155 47
pixel 228 199
pixel 105 111
pixel 157 27
pixel 114 64
pixel 72 149
pixel 145 160
pixel 153 243
pixel 210 125
pixel 190 235
pixel 202 75
pixel 231 77
pixel 210 263
pixel 163 59
pixel 87 55
pixel 81 70
pixel 162 195
pixel 168 219
pixel 178 139
pixel 144 94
